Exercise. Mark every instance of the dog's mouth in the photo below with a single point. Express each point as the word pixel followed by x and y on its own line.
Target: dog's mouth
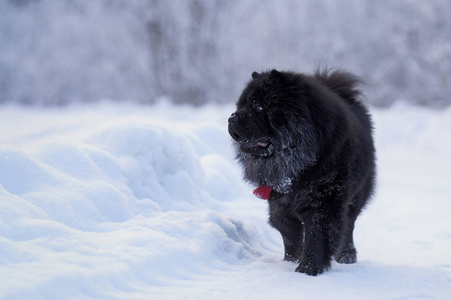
pixel 261 147
pixel 264 144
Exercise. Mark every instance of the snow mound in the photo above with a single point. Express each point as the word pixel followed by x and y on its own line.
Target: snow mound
pixel 133 194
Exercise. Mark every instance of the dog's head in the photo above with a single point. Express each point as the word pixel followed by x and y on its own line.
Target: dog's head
pixel 272 129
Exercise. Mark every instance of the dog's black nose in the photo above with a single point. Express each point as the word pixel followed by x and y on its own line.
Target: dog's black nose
pixel 233 118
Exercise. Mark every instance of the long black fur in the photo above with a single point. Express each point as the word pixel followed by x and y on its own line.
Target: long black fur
pixel 309 137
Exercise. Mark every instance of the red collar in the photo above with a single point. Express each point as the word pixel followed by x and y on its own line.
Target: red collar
pixel 263 192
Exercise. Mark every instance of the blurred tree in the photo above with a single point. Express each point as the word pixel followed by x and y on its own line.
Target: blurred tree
pixel 199 51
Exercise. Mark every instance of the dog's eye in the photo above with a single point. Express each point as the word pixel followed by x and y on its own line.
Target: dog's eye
pixel 258 107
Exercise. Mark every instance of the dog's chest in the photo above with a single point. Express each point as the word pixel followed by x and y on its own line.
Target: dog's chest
pixel 307 196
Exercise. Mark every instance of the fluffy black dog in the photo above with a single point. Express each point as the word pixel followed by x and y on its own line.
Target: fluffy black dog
pixel 306 143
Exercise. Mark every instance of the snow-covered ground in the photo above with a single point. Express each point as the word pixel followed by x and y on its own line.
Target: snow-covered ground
pixel 130 202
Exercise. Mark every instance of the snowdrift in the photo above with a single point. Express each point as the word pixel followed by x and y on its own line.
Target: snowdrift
pixel 129 202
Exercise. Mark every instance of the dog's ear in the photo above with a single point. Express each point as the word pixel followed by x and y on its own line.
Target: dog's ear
pixel 255 75
pixel 276 74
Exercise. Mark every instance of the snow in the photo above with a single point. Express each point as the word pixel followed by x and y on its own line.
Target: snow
pixel 147 202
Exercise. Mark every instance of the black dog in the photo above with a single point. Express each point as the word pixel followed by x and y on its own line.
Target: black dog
pixel 306 143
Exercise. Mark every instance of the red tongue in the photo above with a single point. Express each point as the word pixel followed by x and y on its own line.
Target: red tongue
pixel 263 192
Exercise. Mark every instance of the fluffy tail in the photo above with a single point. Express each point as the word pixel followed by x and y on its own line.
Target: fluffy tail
pixel 343 83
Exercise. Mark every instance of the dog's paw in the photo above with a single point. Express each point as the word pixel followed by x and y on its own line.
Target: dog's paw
pixel 310 269
pixel 347 257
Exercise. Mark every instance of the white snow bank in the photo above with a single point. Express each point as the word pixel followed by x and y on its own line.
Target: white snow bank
pixel 129 202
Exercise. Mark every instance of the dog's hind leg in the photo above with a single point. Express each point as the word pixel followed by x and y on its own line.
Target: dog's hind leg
pixel 347 254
